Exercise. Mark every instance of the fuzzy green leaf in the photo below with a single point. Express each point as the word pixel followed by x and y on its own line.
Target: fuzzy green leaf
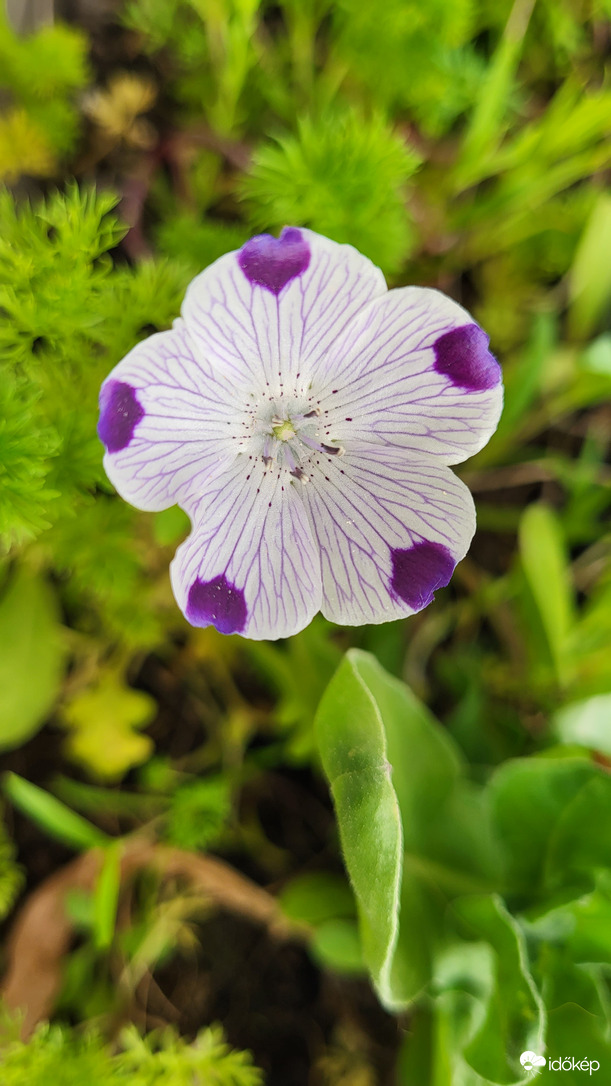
pixel 32 658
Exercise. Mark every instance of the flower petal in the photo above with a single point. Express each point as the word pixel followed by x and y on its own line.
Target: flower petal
pixel 250 565
pixel 390 531
pixel 269 314
pixel 167 420
pixel 414 370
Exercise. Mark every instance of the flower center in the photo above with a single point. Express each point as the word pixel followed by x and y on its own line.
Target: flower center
pixel 287 435
pixel 283 430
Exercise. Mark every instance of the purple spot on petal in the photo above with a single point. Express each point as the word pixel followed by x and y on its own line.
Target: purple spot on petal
pixel 273 262
pixel 418 571
pixel 218 603
pixel 120 413
pixel 463 356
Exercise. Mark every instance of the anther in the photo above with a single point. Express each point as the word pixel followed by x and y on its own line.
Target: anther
pixel 334 450
pixel 299 473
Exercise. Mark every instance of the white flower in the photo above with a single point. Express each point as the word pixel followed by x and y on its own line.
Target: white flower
pixel 304 417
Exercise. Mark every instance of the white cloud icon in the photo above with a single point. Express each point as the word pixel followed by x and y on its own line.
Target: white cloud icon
pixel 530 1061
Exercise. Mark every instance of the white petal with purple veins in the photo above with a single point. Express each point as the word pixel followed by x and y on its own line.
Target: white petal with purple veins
pixel 250 565
pixel 167 420
pixel 270 313
pixel 390 530
pixel 414 370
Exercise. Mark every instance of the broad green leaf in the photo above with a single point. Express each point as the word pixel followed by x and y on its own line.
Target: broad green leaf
pixel 424 759
pixel 445 820
pixel 103 726
pixel 586 723
pixel 32 657
pixel 581 843
pixel 575 1034
pixel 514 1016
pixel 546 569
pixel 486 1009
pixel 316 897
pixel 353 749
pixel 413 831
pixel 544 811
pixel 54 817
pixel 590 277
pixel 597 356
pixel 336 945
pixel 582 926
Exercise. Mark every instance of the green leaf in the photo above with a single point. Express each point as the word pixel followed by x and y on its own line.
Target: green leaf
pixel 396 780
pixel 103 724
pixel 514 1017
pixel 582 926
pixel 576 1034
pixel 586 723
pixel 546 569
pixel 336 945
pixel 486 125
pixel 590 277
pixel 316 897
pixel 352 745
pixel 597 356
pixel 544 811
pixel 106 896
pixel 11 875
pixel 32 658
pixel 54 817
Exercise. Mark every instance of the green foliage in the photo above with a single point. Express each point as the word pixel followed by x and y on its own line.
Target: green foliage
pixel 460 146
pixel 68 317
pixel 31 641
pixel 212 46
pixel 27 447
pixel 413 56
pixel 53 816
pixel 11 876
pixel 160 1059
pixel 198 812
pixel 104 724
pixel 463 888
pixel 343 177
pixel 41 74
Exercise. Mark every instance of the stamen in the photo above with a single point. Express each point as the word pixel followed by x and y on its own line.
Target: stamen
pixel 319 446
pixel 291 463
pixel 300 474
pixel 313 414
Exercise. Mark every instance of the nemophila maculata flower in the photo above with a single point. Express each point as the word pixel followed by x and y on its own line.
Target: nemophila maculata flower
pixel 305 417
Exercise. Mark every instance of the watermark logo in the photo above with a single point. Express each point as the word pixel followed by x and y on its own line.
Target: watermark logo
pixel 534 1064
pixel 531 1062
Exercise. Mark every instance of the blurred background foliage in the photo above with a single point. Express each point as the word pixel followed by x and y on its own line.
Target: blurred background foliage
pixel 464 146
